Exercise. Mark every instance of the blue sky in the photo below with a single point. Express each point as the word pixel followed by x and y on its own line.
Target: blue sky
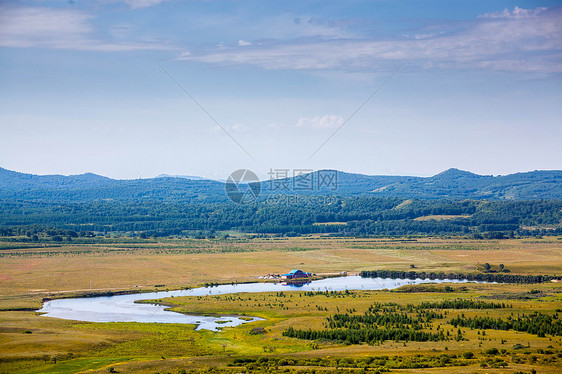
pixel 473 84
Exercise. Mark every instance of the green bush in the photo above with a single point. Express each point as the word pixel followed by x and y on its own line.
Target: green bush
pixel 468 355
pixel 492 351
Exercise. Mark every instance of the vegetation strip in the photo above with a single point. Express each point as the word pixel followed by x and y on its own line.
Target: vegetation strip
pixel 480 277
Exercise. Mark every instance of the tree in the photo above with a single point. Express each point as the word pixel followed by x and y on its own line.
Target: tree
pixel 468 355
pixel 487 267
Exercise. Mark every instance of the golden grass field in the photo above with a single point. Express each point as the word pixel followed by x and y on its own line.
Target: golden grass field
pixel 32 343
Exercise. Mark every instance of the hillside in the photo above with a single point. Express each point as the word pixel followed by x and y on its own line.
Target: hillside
pixel 454 183
pixel 451 184
pixel 453 202
pixel 92 187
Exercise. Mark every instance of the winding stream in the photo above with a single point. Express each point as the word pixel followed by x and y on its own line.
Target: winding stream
pixel 122 308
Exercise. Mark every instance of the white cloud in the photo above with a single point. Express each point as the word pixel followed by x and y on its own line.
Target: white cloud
pixel 287 26
pixel 515 13
pixel 25 27
pixel 239 128
pixel 134 4
pixel 244 43
pixel 518 41
pixel 324 122
pixel 424 36
pixel 58 29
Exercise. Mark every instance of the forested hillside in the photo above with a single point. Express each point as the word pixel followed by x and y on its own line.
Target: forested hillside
pixel 357 216
pixel 65 207
pixel 453 184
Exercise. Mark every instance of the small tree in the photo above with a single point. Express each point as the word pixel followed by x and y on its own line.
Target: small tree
pixel 487 267
pixel 468 355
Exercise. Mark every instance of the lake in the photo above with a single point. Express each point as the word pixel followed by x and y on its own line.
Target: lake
pixel 122 308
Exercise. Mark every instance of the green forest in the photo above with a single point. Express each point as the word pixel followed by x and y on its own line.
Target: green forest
pixel 454 202
pixel 338 216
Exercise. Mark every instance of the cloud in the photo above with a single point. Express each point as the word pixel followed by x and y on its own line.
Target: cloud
pixel 516 41
pixel 134 4
pixel 239 128
pixel 515 13
pixel 58 29
pixel 324 122
pixel 244 43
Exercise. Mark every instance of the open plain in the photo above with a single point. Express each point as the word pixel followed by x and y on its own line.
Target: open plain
pixel 30 342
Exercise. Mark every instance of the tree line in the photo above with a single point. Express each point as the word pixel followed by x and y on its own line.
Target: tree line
pixel 479 277
pixel 539 324
pixel 356 215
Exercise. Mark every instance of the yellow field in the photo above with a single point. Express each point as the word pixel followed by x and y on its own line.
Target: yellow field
pixel 32 343
pixel 179 263
pixel 440 217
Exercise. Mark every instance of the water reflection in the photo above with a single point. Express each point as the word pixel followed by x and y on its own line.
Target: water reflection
pixel 123 308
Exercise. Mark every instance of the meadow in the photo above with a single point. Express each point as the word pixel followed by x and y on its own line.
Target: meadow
pixel 36 344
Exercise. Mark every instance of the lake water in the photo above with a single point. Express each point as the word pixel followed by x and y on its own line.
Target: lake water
pixel 122 308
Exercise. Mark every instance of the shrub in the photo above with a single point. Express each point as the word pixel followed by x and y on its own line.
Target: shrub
pixel 492 351
pixel 468 355
pixel 257 331
pixel 444 359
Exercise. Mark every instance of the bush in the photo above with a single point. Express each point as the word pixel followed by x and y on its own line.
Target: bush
pixel 492 351
pixel 444 359
pixel 468 355
pixel 257 331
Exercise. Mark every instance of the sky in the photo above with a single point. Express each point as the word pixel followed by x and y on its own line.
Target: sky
pixel 137 88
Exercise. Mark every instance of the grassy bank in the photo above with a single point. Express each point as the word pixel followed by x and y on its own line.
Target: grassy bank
pixel 37 344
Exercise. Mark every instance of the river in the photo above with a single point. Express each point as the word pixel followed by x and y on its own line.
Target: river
pixel 122 308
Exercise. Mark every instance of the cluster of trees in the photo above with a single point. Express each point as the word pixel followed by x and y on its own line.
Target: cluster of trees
pixel 380 322
pixel 386 320
pixel 374 364
pixel 479 277
pixel 391 321
pixel 539 324
pixel 463 304
pixel 334 294
pixel 365 335
pixel 357 215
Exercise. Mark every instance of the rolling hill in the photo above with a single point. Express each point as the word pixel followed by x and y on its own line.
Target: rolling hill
pixel 451 184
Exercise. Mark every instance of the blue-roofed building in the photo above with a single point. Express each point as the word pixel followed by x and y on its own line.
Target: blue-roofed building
pixel 294 274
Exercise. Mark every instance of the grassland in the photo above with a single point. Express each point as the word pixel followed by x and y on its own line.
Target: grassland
pixel 32 343
pixel 440 217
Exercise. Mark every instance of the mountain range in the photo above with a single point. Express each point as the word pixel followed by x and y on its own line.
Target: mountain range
pixel 452 183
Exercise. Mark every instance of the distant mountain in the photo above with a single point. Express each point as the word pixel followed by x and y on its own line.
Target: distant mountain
pixel 14 181
pixel 452 183
pixel 192 177
pixel 91 187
